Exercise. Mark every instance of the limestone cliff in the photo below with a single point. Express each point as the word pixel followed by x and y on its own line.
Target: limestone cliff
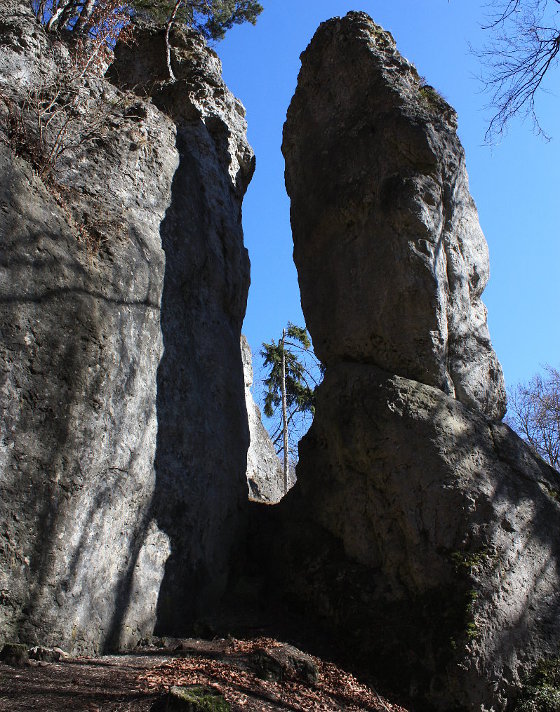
pixel 124 282
pixel 391 259
pixel 202 419
pixel 421 530
pixel 265 477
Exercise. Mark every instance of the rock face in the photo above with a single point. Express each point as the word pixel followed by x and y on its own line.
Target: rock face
pixel 390 255
pixel 203 434
pixel 419 531
pixel 265 477
pixel 124 280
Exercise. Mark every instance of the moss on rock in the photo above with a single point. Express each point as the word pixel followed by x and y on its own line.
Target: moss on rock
pixel 541 692
pixel 196 698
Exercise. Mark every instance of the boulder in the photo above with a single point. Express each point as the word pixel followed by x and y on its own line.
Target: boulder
pixel 283 662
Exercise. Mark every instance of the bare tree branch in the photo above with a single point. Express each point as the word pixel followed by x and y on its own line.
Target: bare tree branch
pixel 534 413
pixel 523 48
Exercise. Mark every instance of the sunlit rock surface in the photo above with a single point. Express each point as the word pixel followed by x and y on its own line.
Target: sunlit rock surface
pixel 265 477
pixel 421 534
pixel 390 255
pixel 122 291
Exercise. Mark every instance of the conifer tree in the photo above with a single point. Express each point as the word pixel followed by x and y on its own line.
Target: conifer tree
pixel 212 18
pixel 293 375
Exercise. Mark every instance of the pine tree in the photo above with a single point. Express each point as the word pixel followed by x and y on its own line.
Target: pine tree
pixel 212 18
pixel 293 375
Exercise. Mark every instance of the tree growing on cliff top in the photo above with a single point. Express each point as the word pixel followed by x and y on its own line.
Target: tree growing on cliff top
pixel 210 17
pixel 103 21
pixel 213 18
pixel 523 47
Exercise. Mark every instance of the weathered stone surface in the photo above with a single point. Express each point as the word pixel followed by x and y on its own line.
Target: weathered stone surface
pixel 390 255
pixel 81 342
pixel 134 246
pixel 198 99
pixel 203 433
pixel 283 662
pixel 421 530
pixel 265 477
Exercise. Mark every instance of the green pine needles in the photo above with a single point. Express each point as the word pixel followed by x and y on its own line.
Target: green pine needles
pixel 293 375
pixel 300 385
pixel 212 18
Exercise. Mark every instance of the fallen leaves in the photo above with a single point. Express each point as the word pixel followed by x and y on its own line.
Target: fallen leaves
pixel 236 681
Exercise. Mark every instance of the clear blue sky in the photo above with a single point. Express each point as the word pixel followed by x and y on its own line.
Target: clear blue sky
pixel 515 184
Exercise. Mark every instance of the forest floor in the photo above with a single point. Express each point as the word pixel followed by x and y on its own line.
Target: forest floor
pixel 259 675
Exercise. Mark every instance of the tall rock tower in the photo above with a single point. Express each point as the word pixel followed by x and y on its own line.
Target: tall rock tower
pixel 419 531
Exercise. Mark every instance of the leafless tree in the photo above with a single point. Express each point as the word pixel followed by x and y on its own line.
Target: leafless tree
pixel 523 47
pixel 58 115
pixel 91 26
pixel 534 412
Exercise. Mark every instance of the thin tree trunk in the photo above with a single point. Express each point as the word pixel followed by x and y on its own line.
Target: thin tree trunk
pixel 167 31
pixel 85 14
pixel 70 12
pixel 284 412
pixel 56 15
pixel 41 10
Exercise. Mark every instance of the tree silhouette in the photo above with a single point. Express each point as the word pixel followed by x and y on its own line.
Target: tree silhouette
pixel 523 47
pixel 534 413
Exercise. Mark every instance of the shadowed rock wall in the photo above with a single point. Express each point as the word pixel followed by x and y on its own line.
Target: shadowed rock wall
pixel 419 531
pixel 123 290
pixel 201 492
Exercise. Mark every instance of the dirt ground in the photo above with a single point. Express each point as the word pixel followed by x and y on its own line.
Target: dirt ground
pixel 141 681
pixel 109 683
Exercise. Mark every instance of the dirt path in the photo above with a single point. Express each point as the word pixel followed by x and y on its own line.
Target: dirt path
pixel 110 683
